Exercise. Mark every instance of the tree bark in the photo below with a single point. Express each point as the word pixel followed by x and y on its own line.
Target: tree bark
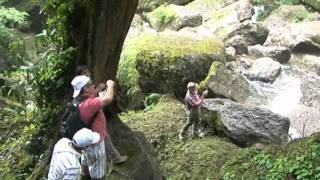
pixel 98 33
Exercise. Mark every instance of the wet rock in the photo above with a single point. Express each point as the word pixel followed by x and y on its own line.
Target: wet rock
pixel 280 54
pixel 226 83
pixel 264 69
pixel 310 89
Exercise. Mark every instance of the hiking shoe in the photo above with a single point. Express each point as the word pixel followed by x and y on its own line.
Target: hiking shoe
pixel 121 160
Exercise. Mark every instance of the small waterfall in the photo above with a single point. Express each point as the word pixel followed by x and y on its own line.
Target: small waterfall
pixel 281 97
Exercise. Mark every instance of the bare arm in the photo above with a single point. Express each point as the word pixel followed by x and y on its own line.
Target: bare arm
pixel 108 97
pixel 204 94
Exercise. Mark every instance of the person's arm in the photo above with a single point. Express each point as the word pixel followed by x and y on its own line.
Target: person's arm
pixel 108 97
pixel 204 94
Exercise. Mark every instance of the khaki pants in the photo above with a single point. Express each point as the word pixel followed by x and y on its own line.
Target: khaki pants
pixel 112 152
pixel 192 119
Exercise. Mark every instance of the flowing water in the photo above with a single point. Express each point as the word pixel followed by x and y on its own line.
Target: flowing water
pixel 281 97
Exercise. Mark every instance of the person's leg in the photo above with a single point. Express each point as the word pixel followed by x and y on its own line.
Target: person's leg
pixel 185 125
pixel 113 153
pixel 97 161
pixel 196 119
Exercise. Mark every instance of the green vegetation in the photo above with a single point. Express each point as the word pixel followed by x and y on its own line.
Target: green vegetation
pixel 193 159
pixel 149 5
pixel 163 62
pixel 159 61
pixel 36 90
pixel 162 16
pixel 292 14
pixel 299 160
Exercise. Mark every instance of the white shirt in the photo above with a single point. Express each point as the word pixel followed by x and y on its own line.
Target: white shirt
pixel 65 162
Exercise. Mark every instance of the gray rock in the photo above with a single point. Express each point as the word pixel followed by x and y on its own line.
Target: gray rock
pixel 247 125
pixel 227 83
pixel 305 119
pixel 240 65
pixel 247 33
pixel 181 17
pixel 280 54
pixel 264 69
pixel 306 62
pixel 310 90
pixel 299 37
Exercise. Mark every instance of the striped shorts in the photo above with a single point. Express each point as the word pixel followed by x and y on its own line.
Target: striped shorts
pixel 94 157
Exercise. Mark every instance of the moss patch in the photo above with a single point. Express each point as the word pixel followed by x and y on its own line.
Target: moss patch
pixel 159 63
pixel 149 5
pixel 299 160
pixel 167 65
pixel 193 159
pixel 291 14
pixel 162 17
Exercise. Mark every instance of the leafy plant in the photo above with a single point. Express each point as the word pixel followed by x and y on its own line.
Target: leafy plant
pixel 12 17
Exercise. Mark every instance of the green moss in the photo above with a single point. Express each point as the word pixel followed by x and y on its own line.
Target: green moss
pixel 212 71
pixel 300 160
pixel 193 159
pixel 166 66
pixel 157 57
pixel 148 5
pixel 293 14
pixel 163 16
pixel 210 5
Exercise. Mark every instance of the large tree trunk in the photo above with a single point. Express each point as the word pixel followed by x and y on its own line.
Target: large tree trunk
pixel 98 30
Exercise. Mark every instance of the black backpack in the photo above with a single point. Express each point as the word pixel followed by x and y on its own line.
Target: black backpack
pixel 71 121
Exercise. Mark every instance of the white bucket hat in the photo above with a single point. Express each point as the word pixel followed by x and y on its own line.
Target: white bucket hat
pixel 192 84
pixel 78 83
pixel 85 137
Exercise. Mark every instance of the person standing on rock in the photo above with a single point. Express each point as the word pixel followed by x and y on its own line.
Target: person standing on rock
pixel 114 155
pixel 193 103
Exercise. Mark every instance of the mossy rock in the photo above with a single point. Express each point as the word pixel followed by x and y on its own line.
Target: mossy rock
pixel 161 17
pixel 163 63
pixel 192 159
pixel 313 3
pixel 174 17
pixel 149 5
pixel 298 160
pixel 226 83
pixel 168 63
pixel 287 14
pixel 206 7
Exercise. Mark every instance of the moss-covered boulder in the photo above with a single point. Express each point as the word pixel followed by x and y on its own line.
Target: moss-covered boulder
pixel 167 63
pixel 149 5
pixel 207 7
pixel 298 160
pixel 174 17
pixel 223 82
pixel 232 14
pixel 193 159
pixel 287 14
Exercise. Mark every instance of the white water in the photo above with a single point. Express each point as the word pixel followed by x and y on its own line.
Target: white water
pixel 281 97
